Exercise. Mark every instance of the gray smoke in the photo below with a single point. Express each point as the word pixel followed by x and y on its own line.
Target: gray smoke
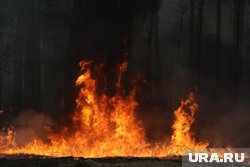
pixel 31 125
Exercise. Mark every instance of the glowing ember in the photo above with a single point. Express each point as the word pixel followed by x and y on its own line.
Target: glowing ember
pixel 107 126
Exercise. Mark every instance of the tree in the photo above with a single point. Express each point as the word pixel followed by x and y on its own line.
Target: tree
pixel 27 60
pixel 71 63
pixel 218 41
pixel 198 53
pixel 155 57
pixel 192 30
pixel 182 9
pixel 18 60
pixel 196 26
pixel 1 66
pixel 32 61
pixel 239 8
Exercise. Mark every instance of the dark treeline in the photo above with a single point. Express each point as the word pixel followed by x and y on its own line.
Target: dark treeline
pixel 177 46
pixel 35 36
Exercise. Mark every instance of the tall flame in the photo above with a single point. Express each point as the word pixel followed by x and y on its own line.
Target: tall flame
pixel 107 126
pixel 184 118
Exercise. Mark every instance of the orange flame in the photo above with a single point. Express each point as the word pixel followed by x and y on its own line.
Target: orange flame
pixel 107 126
pixel 184 118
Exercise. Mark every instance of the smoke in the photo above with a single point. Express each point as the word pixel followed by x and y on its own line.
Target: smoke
pixel 230 127
pixel 31 125
pixel 1 112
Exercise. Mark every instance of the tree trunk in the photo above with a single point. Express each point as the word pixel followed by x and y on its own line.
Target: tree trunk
pixel 36 40
pixel 71 63
pixel 192 30
pixel 1 68
pixel 31 59
pixel 182 10
pixel 238 27
pixel 198 53
pixel 27 60
pixel 20 52
pixel 175 91
pixel 218 43
pixel 157 49
pixel 156 61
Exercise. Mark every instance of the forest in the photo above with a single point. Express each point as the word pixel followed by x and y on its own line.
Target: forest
pixel 176 46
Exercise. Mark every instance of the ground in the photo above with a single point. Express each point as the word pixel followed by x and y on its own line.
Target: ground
pixel 37 161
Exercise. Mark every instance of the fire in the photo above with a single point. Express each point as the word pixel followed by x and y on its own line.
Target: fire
pixel 107 126
pixel 184 118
